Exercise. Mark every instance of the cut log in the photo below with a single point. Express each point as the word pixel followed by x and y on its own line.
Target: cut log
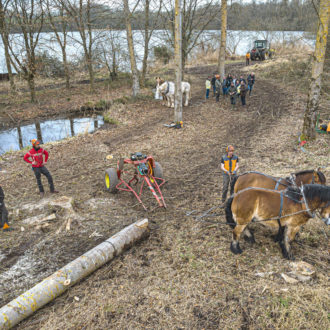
pixel 54 285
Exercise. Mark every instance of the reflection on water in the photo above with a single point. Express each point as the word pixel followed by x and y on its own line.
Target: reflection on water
pixel 51 130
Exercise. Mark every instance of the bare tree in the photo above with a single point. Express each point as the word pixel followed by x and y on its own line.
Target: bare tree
pixel 4 31
pixel 222 52
pixel 195 19
pixel 135 73
pixel 81 13
pixel 28 17
pixel 178 62
pixel 308 130
pixel 60 25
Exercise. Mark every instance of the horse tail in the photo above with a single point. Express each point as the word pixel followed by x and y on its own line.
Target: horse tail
pixel 232 183
pixel 229 214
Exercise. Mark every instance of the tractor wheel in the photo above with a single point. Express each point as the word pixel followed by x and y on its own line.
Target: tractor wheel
pixel 262 56
pixel 157 171
pixel 111 180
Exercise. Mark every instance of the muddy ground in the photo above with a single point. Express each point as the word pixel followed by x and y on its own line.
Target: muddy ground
pixel 183 276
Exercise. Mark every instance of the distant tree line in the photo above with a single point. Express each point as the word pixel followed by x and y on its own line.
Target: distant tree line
pixel 97 25
pixel 271 15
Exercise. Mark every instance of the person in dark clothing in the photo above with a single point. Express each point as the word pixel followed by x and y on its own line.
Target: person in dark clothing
pixel 224 86
pixel 214 78
pixel 243 91
pixel 3 212
pixel 242 79
pixel 38 166
pixel 232 93
pixel 251 80
pixel 217 88
pixel 229 166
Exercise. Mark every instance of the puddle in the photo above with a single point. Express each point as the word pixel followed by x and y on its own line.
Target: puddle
pixel 16 138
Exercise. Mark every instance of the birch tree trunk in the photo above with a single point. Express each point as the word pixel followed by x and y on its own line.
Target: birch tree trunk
pixel 222 52
pixel 146 41
pixel 308 131
pixel 178 62
pixel 135 74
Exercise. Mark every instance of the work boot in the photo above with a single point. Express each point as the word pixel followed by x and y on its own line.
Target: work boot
pixel 54 192
pixel 42 194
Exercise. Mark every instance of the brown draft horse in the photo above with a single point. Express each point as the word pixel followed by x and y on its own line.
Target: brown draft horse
pixel 257 179
pixel 287 210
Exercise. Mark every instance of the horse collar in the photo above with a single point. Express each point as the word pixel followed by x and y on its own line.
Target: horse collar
pixel 312 215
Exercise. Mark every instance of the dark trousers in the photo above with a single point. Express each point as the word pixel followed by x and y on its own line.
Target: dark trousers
pixel 217 96
pixel 207 93
pixel 214 90
pixel 250 88
pixel 43 170
pixel 233 99
pixel 3 215
pixel 226 180
pixel 243 99
pixel 247 61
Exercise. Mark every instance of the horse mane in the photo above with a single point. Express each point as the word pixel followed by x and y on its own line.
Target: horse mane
pixel 313 191
pixel 319 173
pixel 293 193
pixel 321 177
pixel 304 172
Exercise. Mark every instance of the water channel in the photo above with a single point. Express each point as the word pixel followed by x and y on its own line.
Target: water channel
pixel 16 138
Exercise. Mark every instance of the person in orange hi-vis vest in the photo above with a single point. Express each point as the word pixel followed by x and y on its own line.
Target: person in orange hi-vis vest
pixel 229 166
pixel 247 58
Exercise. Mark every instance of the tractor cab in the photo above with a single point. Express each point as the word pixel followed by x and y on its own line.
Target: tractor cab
pixel 261 50
pixel 261 44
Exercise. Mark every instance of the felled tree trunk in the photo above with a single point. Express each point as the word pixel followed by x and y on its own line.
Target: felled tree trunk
pixel 53 286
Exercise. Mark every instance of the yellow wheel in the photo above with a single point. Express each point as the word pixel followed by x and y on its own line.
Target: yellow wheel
pixel 111 180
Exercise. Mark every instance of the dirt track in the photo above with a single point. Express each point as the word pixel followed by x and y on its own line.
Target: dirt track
pixel 184 275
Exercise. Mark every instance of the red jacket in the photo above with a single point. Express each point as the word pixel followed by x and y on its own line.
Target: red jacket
pixel 37 157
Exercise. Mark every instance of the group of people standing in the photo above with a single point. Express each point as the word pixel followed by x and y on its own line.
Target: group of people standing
pixel 231 86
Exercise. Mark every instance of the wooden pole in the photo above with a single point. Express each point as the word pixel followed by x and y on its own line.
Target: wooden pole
pixel 178 63
pixel 222 51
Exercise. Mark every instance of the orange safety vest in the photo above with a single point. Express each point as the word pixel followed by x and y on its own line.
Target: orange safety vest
pixel 247 56
pixel 229 163
pixel 328 128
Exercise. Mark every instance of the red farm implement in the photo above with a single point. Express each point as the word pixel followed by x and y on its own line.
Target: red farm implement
pixel 147 172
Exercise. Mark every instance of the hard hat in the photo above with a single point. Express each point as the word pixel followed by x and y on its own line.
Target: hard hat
pixel 230 148
pixel 35 142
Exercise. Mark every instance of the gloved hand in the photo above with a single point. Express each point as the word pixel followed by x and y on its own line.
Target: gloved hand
pixel 234 173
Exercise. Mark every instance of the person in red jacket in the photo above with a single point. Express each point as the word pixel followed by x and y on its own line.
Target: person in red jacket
pixel 38 165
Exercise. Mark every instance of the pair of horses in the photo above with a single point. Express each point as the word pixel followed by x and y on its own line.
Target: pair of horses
pixel 167 90
pixel 283 203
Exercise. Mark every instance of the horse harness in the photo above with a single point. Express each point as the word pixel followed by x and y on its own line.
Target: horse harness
pixel 167 88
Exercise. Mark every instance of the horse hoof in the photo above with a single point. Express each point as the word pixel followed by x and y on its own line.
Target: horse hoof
pixel 249 239
pixel 235 249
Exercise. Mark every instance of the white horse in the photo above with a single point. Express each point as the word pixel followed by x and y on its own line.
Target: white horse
pixel 167 90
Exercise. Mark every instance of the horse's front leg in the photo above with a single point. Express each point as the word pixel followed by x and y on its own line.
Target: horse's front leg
pixel 186 95
pixel 288 236
pixel 172 101
pixel 234 246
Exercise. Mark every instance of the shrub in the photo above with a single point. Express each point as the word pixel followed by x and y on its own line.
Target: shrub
pixel 163 53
